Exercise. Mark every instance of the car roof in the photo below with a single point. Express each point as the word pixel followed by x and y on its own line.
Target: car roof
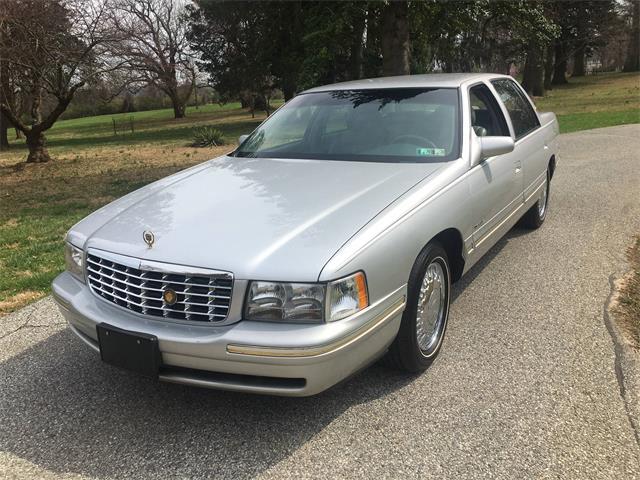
pixel 430 80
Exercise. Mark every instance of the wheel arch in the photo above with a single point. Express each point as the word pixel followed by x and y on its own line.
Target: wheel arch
pixel 552 166
pixel 451 241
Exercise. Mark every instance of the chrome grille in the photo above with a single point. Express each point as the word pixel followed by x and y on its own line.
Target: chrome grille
pixel 204 298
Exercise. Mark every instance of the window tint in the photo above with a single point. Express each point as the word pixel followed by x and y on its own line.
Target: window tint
pixel 522 115
pixel 486 117
pixel 388 125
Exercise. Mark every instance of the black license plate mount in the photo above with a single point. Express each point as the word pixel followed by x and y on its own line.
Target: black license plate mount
pixel 134 351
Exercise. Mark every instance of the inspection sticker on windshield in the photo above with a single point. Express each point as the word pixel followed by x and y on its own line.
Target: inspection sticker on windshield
pixel 430 152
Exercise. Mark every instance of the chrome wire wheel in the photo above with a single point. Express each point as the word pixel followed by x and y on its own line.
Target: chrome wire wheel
pixel 542 202
pixel 432 306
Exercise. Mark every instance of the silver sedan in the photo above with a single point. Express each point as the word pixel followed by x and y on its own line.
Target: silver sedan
pixel 328 239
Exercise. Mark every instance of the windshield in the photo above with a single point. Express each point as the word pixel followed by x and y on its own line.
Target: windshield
pixel 389 125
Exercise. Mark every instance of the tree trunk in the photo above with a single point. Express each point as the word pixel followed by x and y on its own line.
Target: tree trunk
pixel 36 142
pixel 371 57
pixel 548 67
pixel 179 106
pixel 560 65
pixel 532 80
pixel 395 39
pixel 178 109
pixel 632 63
pixel 578 62
pixel 288 88
pixel 4 127
pixel 357 49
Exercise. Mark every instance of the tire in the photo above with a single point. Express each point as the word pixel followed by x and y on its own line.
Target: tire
pixel 410 351
pixel 534 218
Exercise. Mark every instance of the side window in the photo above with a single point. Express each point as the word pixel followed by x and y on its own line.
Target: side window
pixel 522 115
pixel 486 117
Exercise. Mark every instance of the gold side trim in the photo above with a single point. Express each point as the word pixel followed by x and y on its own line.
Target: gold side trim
pixel 306 352
pixel 497 227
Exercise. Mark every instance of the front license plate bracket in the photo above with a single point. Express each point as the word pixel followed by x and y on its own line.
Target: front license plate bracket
pixel 134 351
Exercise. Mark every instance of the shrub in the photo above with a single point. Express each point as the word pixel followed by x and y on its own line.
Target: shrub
pixel 207 136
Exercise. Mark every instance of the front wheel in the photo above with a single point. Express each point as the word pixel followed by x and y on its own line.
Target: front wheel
pixel 534 218
pixel 424 320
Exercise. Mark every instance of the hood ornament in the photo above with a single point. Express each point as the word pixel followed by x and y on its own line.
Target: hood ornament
pixel 148 238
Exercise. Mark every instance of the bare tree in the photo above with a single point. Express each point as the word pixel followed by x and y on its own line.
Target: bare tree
pixel 153 43
pixel 48 50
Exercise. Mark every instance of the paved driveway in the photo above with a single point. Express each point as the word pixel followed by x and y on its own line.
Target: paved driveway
pixel 528 385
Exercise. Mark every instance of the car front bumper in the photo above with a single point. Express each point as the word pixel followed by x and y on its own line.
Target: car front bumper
pixel 256 357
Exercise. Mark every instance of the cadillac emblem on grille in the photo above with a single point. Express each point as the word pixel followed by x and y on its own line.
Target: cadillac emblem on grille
pixel 148 237
pixel 170 297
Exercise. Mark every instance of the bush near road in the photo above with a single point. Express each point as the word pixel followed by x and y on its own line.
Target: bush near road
pixel 38 203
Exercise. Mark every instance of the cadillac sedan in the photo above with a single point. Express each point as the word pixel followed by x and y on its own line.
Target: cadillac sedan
pixel 328 239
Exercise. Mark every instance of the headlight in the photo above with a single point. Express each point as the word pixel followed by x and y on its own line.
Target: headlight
pixel 306 302
pixel 346 297
pixel 285 302
pixel 73 258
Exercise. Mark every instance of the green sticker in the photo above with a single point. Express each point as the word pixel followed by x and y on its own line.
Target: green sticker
pixel 430 152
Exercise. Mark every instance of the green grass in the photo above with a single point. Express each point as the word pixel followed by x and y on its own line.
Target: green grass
pixel 38 203
pixel 157 126
pixel 99 121
pixel 574 122
pixel 594 101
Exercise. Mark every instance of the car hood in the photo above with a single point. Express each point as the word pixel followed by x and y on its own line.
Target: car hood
pixel 269 219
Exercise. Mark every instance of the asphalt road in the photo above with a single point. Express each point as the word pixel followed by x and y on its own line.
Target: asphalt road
pixel 531 382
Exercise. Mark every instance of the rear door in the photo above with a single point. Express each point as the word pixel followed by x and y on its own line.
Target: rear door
pixel 530 147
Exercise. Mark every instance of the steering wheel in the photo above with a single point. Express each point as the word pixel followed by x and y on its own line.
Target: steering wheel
pixel 413 138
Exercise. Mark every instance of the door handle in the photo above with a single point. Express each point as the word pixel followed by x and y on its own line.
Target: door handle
pixel 518 166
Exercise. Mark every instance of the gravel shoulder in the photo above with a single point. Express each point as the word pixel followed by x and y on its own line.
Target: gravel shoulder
pixel 534 380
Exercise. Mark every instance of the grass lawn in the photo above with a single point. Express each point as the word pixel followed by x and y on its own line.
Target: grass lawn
pixel 38 203
pixel 594 101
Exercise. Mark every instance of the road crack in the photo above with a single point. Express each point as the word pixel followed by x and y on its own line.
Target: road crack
pixel 618 354
pixel 26 324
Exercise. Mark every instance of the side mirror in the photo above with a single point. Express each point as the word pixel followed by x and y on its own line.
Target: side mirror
pixel 492 146
pixel 242 138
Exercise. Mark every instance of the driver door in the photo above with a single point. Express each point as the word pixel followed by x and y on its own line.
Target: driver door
pixel 496 184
